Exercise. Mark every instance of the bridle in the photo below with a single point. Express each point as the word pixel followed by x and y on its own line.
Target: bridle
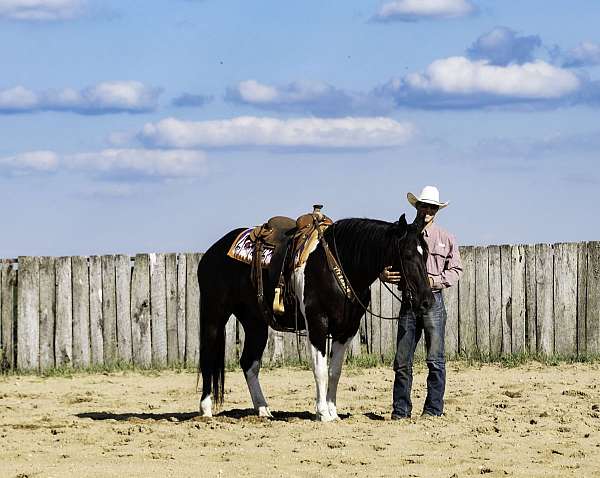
pixel 354 296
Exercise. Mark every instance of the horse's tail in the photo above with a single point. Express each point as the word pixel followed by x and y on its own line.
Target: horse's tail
pixel 212 343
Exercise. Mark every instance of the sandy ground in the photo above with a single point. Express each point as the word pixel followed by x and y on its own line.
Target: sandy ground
pixel 528 421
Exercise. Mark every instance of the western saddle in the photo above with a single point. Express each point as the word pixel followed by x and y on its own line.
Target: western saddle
pixel 290 243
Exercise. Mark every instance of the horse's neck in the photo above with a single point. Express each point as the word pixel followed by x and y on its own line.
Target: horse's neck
pixel 367 270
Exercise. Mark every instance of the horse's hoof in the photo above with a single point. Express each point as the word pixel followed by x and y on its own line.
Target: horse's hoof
pixel 324 417
pixel 264 412
pixel 333 413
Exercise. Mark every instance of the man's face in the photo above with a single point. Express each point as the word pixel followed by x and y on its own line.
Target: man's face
pixel 428 210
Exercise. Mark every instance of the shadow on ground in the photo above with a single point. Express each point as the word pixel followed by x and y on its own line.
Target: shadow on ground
pixel 236 414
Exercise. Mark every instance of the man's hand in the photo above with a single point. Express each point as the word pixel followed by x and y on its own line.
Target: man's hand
pixel 430 281
pixel 388 275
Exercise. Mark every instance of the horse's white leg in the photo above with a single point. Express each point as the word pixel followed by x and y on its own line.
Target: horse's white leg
pixel 335 370
pixel 319 360
pixel 206 406
pixel 319 364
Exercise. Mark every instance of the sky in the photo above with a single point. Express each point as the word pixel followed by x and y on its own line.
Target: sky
pixel 160 125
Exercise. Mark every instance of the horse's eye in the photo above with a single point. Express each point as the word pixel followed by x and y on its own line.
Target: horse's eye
pixel 420 249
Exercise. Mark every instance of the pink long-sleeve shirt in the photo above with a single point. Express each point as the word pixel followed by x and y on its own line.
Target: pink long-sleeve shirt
pixel 443 262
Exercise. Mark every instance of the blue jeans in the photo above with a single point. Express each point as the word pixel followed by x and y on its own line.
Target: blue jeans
pixel 410 326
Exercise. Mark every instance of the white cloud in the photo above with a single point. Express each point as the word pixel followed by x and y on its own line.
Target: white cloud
pixel 32 161
pixel 413 10
pixel 105 97
pixel 461 76
pixel 587 53
pixel 248 131
pixel 254 92
pixel 41 10
pixel 158 163
pixel 307 97
pixel 112 162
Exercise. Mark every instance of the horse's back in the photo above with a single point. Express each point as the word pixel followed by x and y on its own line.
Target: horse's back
pixel 215 260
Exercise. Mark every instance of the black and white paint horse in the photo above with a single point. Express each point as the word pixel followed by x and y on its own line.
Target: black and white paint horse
pixel 363 247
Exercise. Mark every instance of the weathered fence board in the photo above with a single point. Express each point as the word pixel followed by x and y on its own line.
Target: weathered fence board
pixel 140 311
pixel 375 321
pixel 451 304
pixel 495 296
pixel 530 300
pixel 63 344
pixel 171 291
pixel 9 314
pixel 354 349
pixel 565 299
pixel 506 297
pixel 482 300
pixel 274 352
pixel 544 298
pixel 2 348
pixel 467 327
pixel 28 321
pixel 123 296
pixel 192 311
pixel 581 298
pixel 109 310
pixel 388 327
pixel 231 342
pixel 181 301
pixel 96 320
pixel 47 312
pixel 158 309
pixel 81 311
pixel 518 299
pixel 593 299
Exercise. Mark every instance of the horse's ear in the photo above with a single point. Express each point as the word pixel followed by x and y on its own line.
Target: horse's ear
pixel 419 223
pixel 402 221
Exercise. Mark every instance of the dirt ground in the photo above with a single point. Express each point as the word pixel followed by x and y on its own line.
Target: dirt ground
pixel 528 421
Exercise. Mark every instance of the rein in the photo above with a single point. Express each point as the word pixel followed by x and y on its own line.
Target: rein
pixel 354 296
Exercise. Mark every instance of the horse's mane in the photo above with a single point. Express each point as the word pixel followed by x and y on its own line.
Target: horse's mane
pixel 352 240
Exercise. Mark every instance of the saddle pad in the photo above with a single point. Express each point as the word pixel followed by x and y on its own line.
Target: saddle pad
pixel 242 249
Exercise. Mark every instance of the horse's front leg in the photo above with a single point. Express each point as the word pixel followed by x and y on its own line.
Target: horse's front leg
pixel 338 351
pixel 319 366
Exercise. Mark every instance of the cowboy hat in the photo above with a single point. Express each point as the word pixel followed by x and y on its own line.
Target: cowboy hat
pixel 429 195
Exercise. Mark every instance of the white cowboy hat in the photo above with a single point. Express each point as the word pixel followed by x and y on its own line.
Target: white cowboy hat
pixel 429 195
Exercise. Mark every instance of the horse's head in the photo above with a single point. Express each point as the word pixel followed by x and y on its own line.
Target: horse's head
pixel 409 258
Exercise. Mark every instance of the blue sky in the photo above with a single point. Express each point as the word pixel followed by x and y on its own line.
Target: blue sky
pixel 159 125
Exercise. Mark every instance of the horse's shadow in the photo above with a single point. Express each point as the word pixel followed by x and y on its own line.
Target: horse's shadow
pixel 235 414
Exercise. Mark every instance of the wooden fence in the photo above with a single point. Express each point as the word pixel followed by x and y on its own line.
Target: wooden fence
pixel 144 310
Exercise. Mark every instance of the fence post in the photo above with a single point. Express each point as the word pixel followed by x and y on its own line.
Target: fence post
pixel 467 324
pixel 28 313
pixel 518 299
pixel 593 299
pixel 140 312
pixel 47 312
pixel 545 298
pixel 482 300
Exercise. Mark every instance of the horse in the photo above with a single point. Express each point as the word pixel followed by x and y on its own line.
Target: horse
pixel 362 247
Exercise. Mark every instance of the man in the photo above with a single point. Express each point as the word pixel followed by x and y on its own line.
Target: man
pixel 444 269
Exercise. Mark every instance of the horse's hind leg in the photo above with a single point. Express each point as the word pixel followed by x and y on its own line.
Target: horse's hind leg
pixel 338 350
pixel 212 354
pixel 255 340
